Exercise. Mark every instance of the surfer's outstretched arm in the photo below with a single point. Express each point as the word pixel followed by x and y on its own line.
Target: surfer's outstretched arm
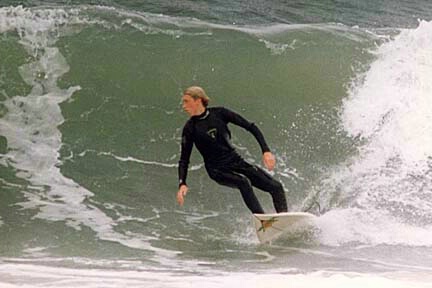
pixel 186 149
pixel 235 118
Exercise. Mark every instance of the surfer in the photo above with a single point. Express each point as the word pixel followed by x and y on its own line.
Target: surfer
pixel 208 130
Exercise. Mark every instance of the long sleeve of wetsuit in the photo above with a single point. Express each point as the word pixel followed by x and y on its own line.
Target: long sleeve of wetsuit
pixel 238 120
pixel 186 149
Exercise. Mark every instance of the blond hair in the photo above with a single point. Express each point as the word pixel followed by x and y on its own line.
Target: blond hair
pixel 197 92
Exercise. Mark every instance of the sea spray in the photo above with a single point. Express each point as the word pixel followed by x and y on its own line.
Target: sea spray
pixel 386 186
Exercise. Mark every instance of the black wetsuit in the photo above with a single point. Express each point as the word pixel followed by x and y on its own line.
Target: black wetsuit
pixel 209 131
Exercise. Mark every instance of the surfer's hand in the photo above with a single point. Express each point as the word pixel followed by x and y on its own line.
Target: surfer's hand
pixel 269 160
pixel 181 193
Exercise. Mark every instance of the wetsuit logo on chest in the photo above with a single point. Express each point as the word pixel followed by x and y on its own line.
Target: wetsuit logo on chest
pixel 212 133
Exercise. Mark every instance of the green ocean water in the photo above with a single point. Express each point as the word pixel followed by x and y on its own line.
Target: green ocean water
pixel 91 122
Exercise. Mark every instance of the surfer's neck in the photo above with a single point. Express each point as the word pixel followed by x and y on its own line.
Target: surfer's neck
pixel 199 111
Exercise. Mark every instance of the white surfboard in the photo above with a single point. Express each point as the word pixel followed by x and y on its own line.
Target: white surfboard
pixel 271 226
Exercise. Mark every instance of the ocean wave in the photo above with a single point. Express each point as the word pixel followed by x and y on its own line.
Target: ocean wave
pixel 382 193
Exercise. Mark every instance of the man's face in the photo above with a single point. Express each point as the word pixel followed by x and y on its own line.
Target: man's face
pixel 191 105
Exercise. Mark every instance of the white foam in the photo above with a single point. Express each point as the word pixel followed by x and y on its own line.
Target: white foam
pixel 136 160
pixel 371 227
pixel 388 180
pixel 392 106
pixel 132 159
pixel 28 275
pixel 278 48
